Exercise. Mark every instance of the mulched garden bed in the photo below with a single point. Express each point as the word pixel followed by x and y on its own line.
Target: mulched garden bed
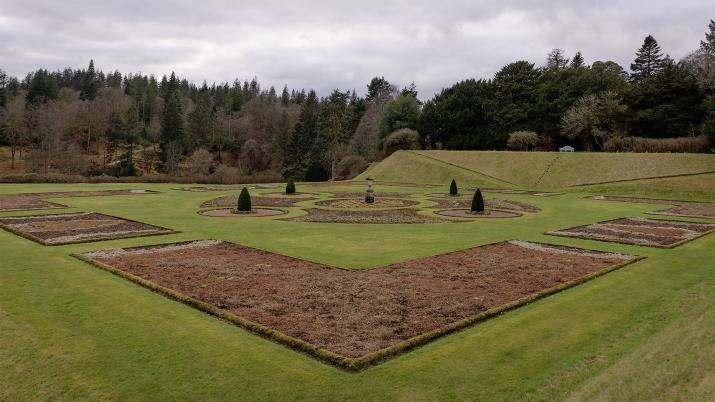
pixel 355 313
pixel 690 209
pixel 640 231
pixel 232 200
pixel 361 194
pixel 31 201
pixel 391 216
pixel 294 195
pixel 77 228
pixel 360 203
pixel 489 203
pixel 256 212
pixel 466 213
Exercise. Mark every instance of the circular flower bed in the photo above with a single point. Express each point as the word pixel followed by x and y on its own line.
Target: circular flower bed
pixel 465 213
pixel 230 213
pixel 360 203
pixel 284 195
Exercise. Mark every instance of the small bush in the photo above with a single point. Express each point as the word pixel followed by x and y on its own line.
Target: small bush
pixel 478 202
pixel 522 140
pixel 316 172
pixel 290 187
pixel 453 190
pixel 244 201
pixel 350 166
pixel 640 144
pixel 401 139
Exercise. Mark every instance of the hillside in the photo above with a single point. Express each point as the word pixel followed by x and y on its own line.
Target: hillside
pixel 607 172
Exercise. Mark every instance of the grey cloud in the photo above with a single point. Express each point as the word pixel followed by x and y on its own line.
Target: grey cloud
pixel 335 44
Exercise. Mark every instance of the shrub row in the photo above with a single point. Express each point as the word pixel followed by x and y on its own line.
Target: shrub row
pixel 149 178
pixel 640 144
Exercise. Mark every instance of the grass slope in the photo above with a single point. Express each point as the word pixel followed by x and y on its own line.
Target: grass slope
pixel 520 168
pixel 73 332
pixel 412 167
pixel 683 176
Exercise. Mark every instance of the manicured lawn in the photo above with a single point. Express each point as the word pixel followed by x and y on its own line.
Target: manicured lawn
pixel 71 331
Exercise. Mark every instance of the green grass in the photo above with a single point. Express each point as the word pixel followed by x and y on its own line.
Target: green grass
pixel 71 331
pixel 679 176
pixel 412 167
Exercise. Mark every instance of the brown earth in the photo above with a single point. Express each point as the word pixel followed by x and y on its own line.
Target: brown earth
pixel 361 194
pixel 360 203
pixel 690 209
pixel 232 200
pixel 640 231
pixel 77 227
pixel 391 216
pixel 466 213
pixel 256 212
pixel 354 313
pixel 489 203
pixel 30 201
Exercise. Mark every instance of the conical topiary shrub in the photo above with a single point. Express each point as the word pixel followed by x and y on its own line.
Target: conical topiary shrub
pixel 244 201
pixel 453 188
pixel 478 202
pixel 290 187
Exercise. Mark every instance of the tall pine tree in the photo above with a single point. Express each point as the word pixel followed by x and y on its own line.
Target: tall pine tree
pixel 708 44
pixel 302 138
pixel 90 83
pixel 172 127
pixel 649 60
pixel 577 61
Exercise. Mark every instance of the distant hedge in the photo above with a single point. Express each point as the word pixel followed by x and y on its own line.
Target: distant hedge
pixel 698 144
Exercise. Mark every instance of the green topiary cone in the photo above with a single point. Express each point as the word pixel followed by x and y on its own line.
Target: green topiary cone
pixel 290 187
pixel 453 188
pixel 478 202
pixel 244 201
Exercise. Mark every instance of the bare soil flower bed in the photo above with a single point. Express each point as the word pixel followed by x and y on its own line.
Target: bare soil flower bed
pixel 232 200
pixel 355 313
pixel 391 216
pixel 361 194
pixel 360 203
pixel 294 195
pixel 640 231
pixel 689 209
pixel 466 213
pixel 204 189
pixel 489 203
pixel 31 201
pixel 256 212
pixel 77 227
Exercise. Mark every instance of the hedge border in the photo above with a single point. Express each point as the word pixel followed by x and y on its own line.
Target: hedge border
pixel 342 362
pixel 36 239
pixel 669 246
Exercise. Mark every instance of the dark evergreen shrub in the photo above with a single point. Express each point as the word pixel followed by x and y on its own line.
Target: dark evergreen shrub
pixel 478 202
pixel 290 187
pixel 453 188
pixel 316 172
pixel 244 201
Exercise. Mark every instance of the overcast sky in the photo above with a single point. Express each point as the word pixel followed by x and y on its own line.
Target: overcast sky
pixel 330 44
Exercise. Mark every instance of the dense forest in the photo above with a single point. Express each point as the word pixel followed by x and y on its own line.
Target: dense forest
pixel 90 122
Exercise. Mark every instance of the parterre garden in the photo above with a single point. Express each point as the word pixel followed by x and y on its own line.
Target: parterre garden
pixel 416 294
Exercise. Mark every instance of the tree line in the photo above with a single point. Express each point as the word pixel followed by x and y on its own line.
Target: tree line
pixel 92 123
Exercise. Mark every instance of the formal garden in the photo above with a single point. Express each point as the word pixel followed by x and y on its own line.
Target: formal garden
pixel 361 276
